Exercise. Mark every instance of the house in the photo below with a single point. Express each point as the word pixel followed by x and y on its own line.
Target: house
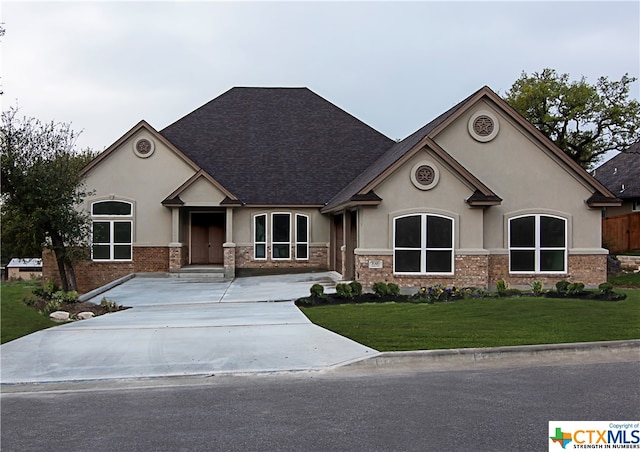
pixel 29 268
pixel 280 179
pixel 621 224
pixel 621 175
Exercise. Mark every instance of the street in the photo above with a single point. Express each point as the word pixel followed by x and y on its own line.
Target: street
pixel 471 409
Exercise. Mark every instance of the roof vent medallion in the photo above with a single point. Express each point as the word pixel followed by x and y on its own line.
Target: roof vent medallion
pixel 143 147
pixel 483 126
pixel 425 175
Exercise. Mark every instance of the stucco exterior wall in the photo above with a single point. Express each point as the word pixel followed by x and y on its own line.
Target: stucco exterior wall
pixel 144 181
pixel 526 177
pixel 400 197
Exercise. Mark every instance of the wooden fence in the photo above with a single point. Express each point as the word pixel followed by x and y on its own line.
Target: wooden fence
pixel 621 233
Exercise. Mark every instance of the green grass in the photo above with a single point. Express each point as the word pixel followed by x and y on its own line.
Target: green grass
pixel 17 319
pixel 626 280
pixel 482 322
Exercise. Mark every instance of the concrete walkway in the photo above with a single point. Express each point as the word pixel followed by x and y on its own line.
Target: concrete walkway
pixel 179 327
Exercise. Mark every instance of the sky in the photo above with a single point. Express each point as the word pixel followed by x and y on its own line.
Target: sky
pixel 104 66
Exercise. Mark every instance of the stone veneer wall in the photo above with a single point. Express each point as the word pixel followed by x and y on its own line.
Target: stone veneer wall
pixel 318 259
pixel 91 275
pixel 483 271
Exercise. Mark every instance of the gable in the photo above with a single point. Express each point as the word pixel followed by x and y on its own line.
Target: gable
pixel 200 190
pixel 477 167
pixel 277 146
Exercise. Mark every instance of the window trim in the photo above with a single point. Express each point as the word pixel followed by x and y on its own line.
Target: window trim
pixel 112 243
pixel 537 248
pixel 273 243
pixel 297 241
pixel 112 219
pixel 423 246
pixel 256 242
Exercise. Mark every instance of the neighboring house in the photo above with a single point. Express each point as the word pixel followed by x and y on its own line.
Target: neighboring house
pixel 29 268
pixel 280 179
pixel 621 175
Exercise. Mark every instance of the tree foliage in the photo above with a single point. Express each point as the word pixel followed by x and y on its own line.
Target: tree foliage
pixel 583 120
pixel 42 190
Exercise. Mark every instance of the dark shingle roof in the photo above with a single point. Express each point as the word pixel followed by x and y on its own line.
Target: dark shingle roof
pixel 285 146
pixel 623 170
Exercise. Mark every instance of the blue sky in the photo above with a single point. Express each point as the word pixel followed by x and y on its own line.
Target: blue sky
pixel 104 66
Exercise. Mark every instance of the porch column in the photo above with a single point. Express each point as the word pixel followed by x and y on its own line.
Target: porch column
pixel 176 251
pixel 229 246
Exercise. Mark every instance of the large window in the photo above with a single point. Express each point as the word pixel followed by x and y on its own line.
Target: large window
pixel 281 236
pixel 260 237
pixel 302 237
pixel 537 244
pixel 423 244
pixel 111 230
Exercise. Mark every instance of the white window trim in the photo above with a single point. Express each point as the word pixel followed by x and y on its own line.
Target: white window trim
pixel 537 248
pixel 255 242
pixel 635 206
pixel 423 247
pixel 288 243
pixel 297 241
pixel 112 244
pixel 112 219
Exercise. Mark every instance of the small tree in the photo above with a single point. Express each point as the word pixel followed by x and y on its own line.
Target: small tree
pixel 42 190
pixel 583 120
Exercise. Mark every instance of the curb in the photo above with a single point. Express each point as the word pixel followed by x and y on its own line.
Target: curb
pixel 100 290
pixel 605 351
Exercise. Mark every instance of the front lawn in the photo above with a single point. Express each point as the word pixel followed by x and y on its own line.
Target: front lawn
pixel 482 322
pixel 16 318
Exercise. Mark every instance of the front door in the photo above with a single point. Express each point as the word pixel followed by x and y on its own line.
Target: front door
pixel 207 238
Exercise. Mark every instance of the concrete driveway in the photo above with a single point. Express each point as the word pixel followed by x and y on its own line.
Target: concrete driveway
pixel 180 327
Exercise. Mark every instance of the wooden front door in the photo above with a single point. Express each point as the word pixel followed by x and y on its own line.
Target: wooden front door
pixel 207 238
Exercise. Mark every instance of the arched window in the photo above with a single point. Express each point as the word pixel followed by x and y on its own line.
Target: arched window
pixel 111 230
pixel 423 244
pixel 537 244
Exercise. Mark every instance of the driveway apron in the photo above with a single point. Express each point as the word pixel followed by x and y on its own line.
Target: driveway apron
pixel 185 326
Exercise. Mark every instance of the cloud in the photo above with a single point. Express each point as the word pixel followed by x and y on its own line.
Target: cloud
pixel 105 65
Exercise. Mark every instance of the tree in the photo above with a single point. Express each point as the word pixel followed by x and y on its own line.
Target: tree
pixel 583 120
pixel 42 190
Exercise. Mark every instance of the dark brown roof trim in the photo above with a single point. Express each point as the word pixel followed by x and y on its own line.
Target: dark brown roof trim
pixel 173 202
pixel 135 129
pixel 192 180
pixel 478 199
pixel 600 200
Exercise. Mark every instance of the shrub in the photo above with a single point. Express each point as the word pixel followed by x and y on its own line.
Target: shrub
pixel 51 306
pixel 393 289
pixel 536 288
pixel 501 287
pixel 317 290
pixel 380 289
pixel 575 288
pixel 561 286
pixel 605 288
pixel 344 290
pixel 356 288
pixel 109 305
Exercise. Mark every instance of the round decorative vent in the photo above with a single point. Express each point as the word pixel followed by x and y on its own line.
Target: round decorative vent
pixel 483 126
pixel 425 175
pixel 143 147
